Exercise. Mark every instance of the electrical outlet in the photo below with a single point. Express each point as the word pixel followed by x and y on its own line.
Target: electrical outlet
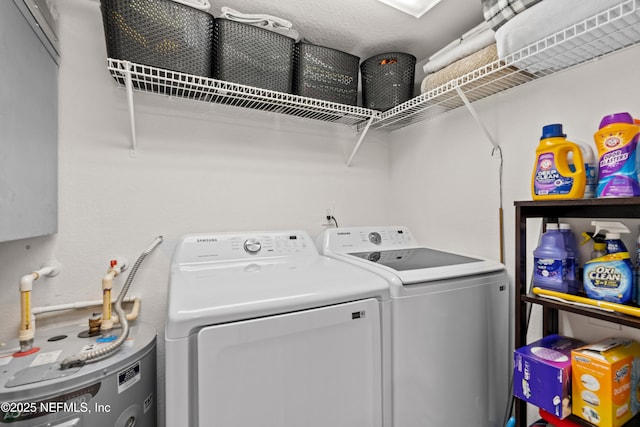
pixel 327 217
pixel 328 213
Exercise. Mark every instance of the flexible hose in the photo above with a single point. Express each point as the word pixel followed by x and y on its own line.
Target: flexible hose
pixel 104 352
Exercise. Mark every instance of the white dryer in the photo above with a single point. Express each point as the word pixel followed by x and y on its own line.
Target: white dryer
pixel 449 326
pixel 264 331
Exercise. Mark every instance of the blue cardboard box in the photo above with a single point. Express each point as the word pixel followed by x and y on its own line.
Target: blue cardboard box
pixel 542 373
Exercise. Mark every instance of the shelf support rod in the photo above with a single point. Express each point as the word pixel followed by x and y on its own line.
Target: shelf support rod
pixel 362 135
pixel 476 117
pixel 496 149
pixel 132 118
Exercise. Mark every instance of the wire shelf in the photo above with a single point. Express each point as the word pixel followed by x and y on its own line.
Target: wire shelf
pixel 606 32
pixel 480 83
pixel 176 84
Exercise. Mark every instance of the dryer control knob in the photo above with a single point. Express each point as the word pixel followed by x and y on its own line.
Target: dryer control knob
pixel 252 246
pixel 375 238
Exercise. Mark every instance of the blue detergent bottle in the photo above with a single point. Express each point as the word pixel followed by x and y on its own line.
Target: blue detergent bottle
pixel 573 262
pixel 550 261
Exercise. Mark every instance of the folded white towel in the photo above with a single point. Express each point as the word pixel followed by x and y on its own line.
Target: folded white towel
pixel 268 22
pixel 459 49
pixel 483 26
pixel 197 4
pixel 254 18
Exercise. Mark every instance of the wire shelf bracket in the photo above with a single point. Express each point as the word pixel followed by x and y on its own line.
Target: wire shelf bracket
pixel 476 117
pixel 363 133
pixel 132 115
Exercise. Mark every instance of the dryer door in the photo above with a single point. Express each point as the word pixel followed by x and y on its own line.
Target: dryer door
pixel 313 368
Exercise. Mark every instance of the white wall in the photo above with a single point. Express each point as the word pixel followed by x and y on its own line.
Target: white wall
pixel 199 168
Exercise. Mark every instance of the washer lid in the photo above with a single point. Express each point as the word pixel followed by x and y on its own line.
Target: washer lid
pixel 420 265
pixel 231 287
pixel 415 258
pixel 393 252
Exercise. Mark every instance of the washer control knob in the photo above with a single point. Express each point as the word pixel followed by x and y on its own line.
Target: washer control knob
pixel 252 246
pixel 375 238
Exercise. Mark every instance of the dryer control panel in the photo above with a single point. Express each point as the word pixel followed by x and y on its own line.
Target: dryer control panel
pixel 233 246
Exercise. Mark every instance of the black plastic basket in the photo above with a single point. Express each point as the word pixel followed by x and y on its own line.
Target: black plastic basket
pixel 159 33
pixel 325 73
pixel 387 80
pixel 252 56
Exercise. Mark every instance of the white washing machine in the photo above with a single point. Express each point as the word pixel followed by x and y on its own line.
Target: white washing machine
pixel 264 331
pixel 449 326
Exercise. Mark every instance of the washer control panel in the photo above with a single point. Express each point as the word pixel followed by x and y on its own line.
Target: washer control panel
pixel 354 239
pixel 242 246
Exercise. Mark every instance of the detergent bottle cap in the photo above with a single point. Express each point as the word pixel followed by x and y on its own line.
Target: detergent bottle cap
pixel 552 131
pixel 616 118
pixel 565 226
pixel 552 226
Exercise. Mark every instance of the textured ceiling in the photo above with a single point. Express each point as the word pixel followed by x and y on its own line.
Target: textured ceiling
pixel 368 27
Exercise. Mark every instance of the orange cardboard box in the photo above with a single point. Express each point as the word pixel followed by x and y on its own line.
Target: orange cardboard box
pixel 605 381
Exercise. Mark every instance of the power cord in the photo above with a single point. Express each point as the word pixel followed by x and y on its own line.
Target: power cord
pixel 333 218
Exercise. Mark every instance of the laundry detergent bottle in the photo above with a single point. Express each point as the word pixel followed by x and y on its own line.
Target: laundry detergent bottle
pixel 573 261
pixel 553 178
pixel 610 277
pixel 618 166
pixel 550 261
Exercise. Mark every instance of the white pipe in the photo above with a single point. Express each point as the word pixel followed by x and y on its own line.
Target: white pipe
pixel 52 269
pixel 132 315
pixel 73 305
pixel 26 282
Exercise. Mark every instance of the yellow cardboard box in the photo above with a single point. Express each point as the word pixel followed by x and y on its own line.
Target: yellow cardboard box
pixel 605 381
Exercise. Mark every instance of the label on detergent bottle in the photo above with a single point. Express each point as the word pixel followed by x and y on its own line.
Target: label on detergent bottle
pixel 609 278
pixel 548 180
pixel 550 273
pixel 617 140
pixel 618 168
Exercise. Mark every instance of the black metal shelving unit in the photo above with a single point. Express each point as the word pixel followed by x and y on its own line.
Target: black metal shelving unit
pixel 550 211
